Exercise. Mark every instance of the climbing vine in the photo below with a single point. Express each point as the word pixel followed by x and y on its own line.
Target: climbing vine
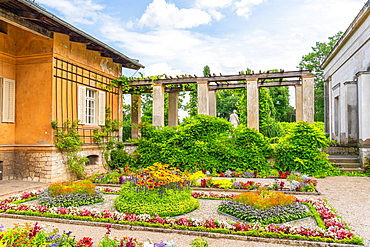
pixel 69 142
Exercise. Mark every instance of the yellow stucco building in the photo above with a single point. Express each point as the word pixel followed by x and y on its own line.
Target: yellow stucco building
pixel 50 70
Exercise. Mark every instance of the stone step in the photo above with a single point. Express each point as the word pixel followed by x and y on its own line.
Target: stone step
pixel 348 165
pixel 352 169
pixel 345 161
pixel 335 150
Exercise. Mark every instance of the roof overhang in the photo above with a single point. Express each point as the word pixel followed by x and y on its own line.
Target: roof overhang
pixel 28 15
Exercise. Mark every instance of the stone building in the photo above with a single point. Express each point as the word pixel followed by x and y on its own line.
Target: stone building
pixel 347 86
pixel 50 70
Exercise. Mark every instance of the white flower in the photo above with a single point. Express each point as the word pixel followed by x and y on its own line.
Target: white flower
pixel 224 224
pixel 294 184
pixel 143 217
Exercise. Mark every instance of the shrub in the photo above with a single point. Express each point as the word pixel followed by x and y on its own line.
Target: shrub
pixel 172 203
pixel 119 158
pixel 199 242
pixel 301 151
pixel 204 143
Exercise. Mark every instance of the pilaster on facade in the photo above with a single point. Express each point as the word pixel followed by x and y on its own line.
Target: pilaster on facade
pixel 363 81
pixel 253 104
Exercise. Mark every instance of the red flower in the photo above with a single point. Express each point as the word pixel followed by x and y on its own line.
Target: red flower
pixel 85 242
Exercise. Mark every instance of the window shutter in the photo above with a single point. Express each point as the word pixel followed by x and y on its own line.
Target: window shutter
pixel 81 104
pixel 8 100
pixel 101 109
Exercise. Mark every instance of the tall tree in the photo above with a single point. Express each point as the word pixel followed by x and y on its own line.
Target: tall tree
pixel 206 71
pixel 312 61
pixel 280 99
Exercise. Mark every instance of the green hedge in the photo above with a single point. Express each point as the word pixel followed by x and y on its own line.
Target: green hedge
pixel 204 143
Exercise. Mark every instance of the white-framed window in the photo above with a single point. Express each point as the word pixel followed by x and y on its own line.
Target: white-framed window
pixel 7 100
pixel 91 106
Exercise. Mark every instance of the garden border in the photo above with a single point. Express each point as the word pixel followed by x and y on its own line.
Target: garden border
pixel 197 189
pixel 242 191
pixel 290 242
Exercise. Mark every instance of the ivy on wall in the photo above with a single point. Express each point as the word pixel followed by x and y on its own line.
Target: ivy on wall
pixel 69 143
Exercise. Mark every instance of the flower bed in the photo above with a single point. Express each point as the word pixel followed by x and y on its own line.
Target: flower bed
pixel 159 189
pixel 39 235
pixel 298 183
pixel 331 227
pixel 71 193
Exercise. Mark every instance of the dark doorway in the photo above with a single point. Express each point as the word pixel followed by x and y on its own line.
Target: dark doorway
pixel 1 170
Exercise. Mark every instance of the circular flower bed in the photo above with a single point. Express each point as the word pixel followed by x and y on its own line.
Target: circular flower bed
pixel 265 207
pixel 70 194
pixel 158 190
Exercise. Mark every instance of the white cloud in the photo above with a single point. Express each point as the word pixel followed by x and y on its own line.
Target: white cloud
pixel 244 7
pixel 160 69
pixel 278 43
pixel 76 11
pixel 160 14
pixel 209 4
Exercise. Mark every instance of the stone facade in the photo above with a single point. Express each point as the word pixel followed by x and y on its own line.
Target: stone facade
pixel 347 86
pixel 45 164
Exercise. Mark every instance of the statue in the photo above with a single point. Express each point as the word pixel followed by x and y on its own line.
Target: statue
pixel 234 119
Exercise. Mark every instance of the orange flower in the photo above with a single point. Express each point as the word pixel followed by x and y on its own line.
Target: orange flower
pixel 151 187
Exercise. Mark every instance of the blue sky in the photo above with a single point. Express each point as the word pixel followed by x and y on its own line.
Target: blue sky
pixel 181 36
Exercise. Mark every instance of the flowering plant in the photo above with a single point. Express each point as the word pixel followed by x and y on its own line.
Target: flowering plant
pixel 83 186
pixel 334 229
pixel 158 175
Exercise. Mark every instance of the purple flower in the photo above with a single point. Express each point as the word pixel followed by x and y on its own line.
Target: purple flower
pixel 161 244
pixel 1 226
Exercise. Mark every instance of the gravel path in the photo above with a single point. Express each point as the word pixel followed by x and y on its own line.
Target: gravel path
pixel 350 196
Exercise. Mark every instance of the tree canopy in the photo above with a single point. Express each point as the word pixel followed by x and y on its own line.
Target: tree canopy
pixel 313 61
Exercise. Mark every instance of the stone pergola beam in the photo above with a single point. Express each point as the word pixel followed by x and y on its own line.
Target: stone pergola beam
pixel 221 79
pixel 253 104
pixel 229 86
pixel 158 105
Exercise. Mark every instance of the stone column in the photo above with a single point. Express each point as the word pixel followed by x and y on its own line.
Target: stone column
pixel 203 97
pixel 158 105
pixel 253 104
pixel 212 103
pixel 135 115
pixel 120 99
pixel 173 107
pixel 308 96
pixel 298 103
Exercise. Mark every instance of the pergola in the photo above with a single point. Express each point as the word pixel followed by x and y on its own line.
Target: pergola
pixel 302 80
